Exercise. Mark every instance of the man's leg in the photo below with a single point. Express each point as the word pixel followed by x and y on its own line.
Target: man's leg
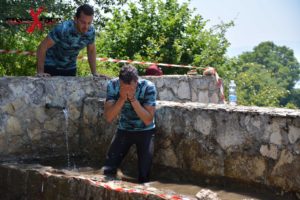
pixel 145 148
pixel 117 151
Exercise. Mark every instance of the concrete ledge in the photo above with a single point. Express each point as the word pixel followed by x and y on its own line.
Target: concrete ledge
pixel 40 182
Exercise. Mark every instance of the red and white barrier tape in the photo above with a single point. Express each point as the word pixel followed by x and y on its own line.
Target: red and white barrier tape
pixel 211 71
pixel 31 53
pixel 105 59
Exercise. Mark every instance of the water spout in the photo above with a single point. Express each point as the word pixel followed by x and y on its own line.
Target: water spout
pixel 49 105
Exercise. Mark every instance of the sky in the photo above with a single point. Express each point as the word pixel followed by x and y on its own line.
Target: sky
pixel 255 21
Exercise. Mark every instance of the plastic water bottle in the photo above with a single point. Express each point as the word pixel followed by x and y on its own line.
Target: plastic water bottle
pixel 232 93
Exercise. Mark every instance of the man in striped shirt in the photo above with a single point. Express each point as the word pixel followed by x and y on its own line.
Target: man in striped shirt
pixel 57 53
pixel 134 99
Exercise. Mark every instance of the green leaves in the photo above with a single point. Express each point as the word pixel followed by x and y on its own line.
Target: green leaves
pixel 265 76
pixel 163 31
pixel 278 60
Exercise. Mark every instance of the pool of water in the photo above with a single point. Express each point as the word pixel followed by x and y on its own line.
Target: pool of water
pixel 163 180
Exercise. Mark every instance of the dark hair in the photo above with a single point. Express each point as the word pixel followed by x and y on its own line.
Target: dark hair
pixel 128 73
pixel 86 9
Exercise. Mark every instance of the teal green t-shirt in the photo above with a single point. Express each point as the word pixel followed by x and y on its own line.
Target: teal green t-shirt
pixel 68 42
pixel 145 94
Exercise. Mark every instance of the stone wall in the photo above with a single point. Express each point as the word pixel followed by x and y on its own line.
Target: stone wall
pixel 249 144
pixel 27 127
pixel 31 108
pixel 40 182
pixel 184 88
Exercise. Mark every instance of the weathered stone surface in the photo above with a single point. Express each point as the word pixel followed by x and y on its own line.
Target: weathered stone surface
pixel 213 98
pixel 276 138
pixel 13 126
pixel 15 145
pixel 73 112
pixel 202 96
pixel 248 168
pixel 199 83
pixel 166 94
pixel 8 108
pixel 199 157
pixel 54 125
pixel 285 173
pixel 3 143
pixel 34 133
pixel 203 124
pixel 39 114
pixel 249 144
pixel 206 194
pixel 38 182
pixel 184 90
pixel 270 151
pixel 294 134
pixel 166 155
pixel 229 132
pixel 187 88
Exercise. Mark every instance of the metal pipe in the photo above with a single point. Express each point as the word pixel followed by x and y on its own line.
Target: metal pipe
pixel 49 105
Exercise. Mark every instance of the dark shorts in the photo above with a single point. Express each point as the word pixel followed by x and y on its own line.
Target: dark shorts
pixel 59 72
pixel 121 143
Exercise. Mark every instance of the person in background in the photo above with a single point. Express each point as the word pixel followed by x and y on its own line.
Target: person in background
pixel 153 70
pixel 57 53
pixel 134 99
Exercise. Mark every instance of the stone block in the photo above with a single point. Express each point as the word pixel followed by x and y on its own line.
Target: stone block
pixel 285 174
pixel 270 151
pixel 245 167
pixel 166 95
pixel 276 138
pixel 13 126
pixel 203 124
pixel 214 98
pixel 184 91
pixel 203 96
pixel 294 134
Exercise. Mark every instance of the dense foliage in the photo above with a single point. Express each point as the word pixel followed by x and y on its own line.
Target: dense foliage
pixel 265 76
pixel 163 31
pixel 16 37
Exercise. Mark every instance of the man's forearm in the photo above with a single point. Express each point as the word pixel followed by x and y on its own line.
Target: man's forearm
pixel 111 111
pixel 143 114
pixel 92 59
pixel 41 54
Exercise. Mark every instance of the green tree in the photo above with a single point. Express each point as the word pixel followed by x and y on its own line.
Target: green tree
pixel 64 9
pixel 279 60
pixel 265 76
pixel 163 31
pixel 292 100
pixel 15 37
pixel 257 87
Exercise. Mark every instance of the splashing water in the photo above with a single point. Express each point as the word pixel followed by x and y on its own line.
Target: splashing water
pixel 66 114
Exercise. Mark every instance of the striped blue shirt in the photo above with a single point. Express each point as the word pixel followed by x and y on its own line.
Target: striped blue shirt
pixel 145 94
pixel 68 42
